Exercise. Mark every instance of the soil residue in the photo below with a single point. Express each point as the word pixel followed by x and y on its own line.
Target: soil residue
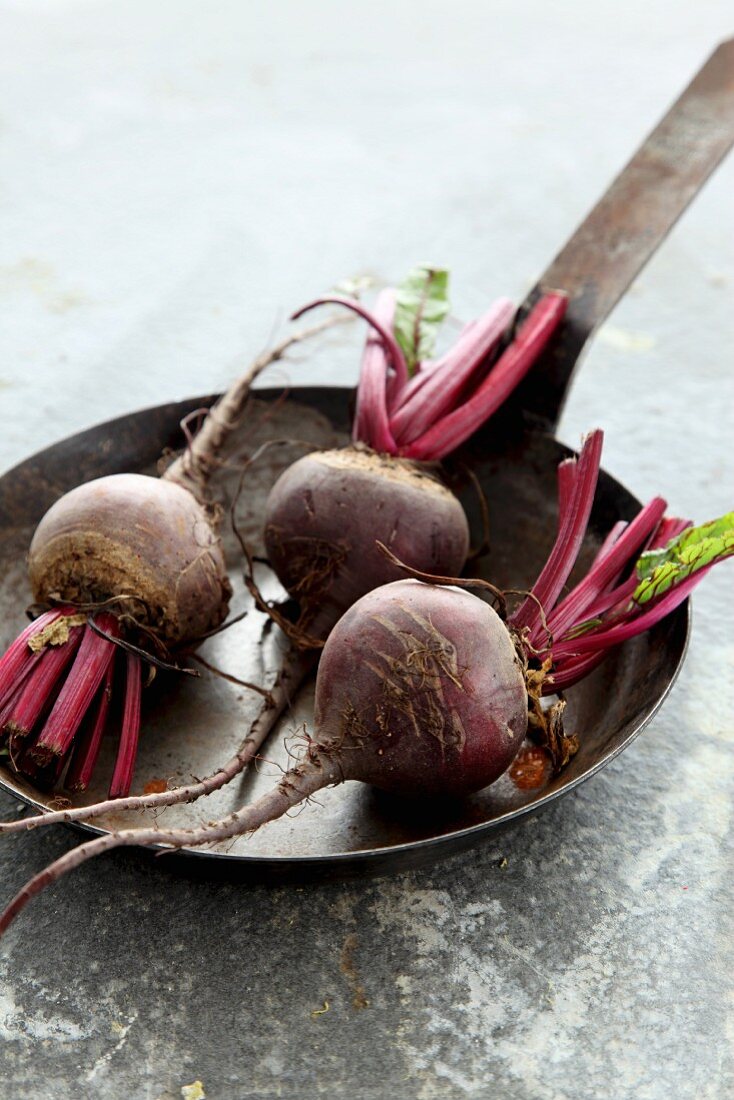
pixel 349 970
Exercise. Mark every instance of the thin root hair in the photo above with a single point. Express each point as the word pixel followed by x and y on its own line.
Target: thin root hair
pixel 459 582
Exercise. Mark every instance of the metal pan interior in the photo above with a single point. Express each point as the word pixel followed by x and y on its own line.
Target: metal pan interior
pixel 192 726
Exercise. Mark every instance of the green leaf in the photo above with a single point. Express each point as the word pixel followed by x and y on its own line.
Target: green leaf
pixel 693 549
pixel 422 304
pixel 582 628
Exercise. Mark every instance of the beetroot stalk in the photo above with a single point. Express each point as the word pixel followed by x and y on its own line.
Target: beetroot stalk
pixel 631 621
pixel 39 686
pixel 566 479
pixel 87 746
pixel 383 330
pixel 604 571
pixel 555 572
pixel 446 434
pixel 90 665
pixel 19 653
pixel 371 418
pixel 441 392
pixel 15 691
pixel 122 776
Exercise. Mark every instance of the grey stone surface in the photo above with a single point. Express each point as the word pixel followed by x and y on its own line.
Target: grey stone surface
pixel 176 176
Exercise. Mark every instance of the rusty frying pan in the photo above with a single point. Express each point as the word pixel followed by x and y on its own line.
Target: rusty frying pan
pixel 192 728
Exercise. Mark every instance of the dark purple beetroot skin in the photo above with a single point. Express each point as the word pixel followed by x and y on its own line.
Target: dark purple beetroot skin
pixel 327 511
pixel 420 692
pixel 131 535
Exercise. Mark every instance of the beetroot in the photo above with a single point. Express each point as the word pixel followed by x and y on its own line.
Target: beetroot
pixel 420 697
pixel 124 558
pixel 425 691
pixel 139 537
pixel 327 512
pixel 136 562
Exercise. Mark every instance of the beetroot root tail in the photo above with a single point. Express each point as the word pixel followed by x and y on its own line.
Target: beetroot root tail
pixel 296 786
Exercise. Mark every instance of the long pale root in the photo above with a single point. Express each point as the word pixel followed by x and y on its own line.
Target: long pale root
pixel 195 466
pixel 295 786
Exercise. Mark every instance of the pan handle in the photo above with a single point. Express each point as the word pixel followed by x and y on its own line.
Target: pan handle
pixel 629 222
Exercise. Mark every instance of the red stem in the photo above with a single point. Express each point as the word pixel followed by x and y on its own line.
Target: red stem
pixel 428 369
pixel 12 696
pixel 122 776
pixel 606 637
pixel 512 366
pixel 451 375
pixel 80 687
pixel 566 480
pixel 601 593
pixel 609 541
pixel 39 685
pixel 89 742
pixel 568 542
pixel 626 548
pixel 371 424
pixel 396 354
pixel 18 652
pixel 570 673
pixel 615 597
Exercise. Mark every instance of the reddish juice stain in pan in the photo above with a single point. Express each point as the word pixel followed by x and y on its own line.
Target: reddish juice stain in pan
pixel 155 786
pixel 531 768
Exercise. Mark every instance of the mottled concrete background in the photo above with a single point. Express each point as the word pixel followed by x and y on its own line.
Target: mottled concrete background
pixel 176 175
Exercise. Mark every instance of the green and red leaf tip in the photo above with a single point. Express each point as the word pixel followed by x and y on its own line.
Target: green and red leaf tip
pixel 421 304
pixel 643 571
pixel 693 550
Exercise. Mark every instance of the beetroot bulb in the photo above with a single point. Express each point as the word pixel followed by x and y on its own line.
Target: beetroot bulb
pixel 328 511
pixel 425 691
pixel 127 568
